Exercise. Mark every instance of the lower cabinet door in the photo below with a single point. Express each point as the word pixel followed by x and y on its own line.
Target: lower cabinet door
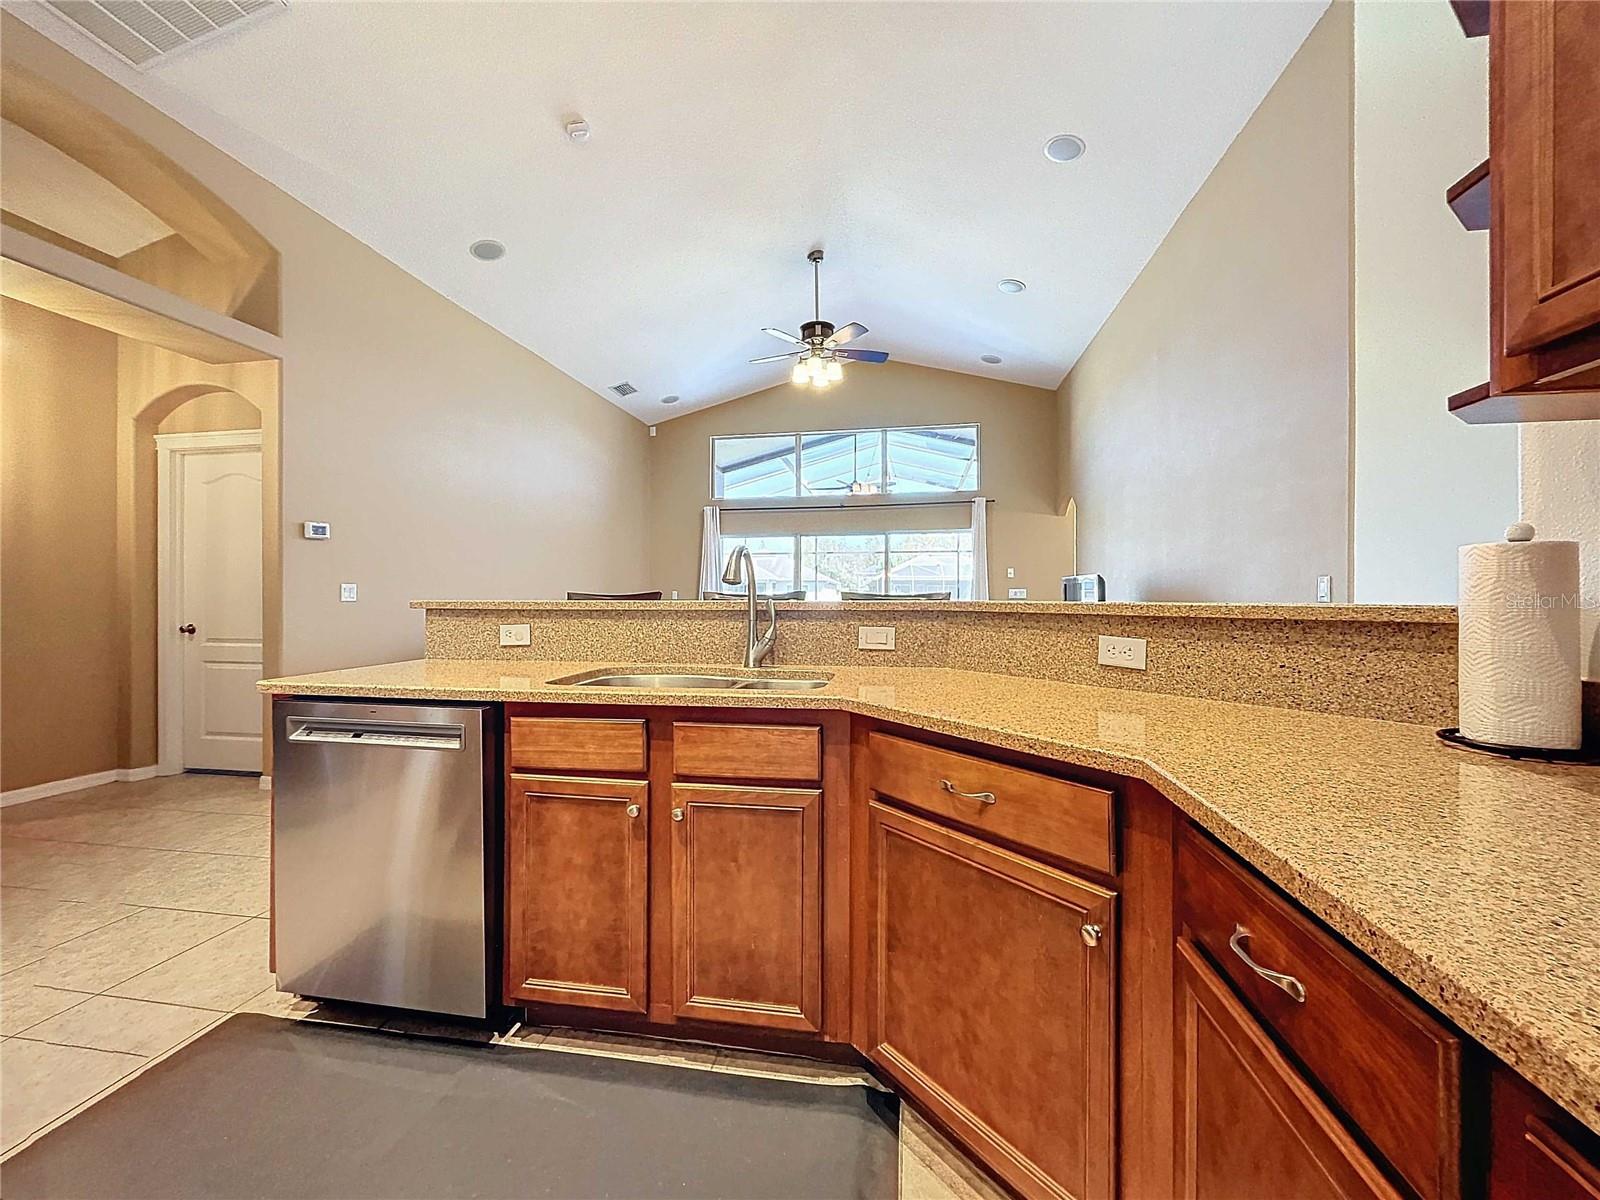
pixel 990 1000
pixel 747 905
pixel 1248 1124
pixel 577 891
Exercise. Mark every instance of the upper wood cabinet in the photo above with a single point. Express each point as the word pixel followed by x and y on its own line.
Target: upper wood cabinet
pixel 1544 214
pixel 577 891
pixel 990 1000
pixel 1248 1124
pixel 747 905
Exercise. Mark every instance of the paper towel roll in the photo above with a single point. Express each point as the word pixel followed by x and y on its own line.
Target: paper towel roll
pixel 1518 671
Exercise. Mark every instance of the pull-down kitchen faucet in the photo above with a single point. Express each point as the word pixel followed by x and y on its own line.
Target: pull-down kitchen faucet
pixel 741 568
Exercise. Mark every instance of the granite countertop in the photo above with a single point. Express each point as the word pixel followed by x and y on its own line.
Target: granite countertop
pixel 1473 880
pixel 1421 614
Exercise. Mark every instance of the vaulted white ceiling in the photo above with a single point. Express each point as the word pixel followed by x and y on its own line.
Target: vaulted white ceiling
pixel 728 139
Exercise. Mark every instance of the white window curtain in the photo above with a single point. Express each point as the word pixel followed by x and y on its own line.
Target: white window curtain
pixel 710 549
pixel 980 548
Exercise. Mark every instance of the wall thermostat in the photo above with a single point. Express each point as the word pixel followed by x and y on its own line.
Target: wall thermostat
pixel 318 531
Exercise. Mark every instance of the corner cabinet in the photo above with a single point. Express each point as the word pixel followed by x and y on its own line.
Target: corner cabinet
pixel 990 990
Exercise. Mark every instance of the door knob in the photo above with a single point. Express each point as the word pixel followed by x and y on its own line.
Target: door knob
pixel 189 629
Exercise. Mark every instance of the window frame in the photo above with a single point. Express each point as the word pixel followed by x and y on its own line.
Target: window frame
pixel 799 500
pixel 797 555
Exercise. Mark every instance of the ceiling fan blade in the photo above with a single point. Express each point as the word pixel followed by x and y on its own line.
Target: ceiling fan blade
pixel 776 357
pixel 848 333
pixel 780 334
pixel 872 356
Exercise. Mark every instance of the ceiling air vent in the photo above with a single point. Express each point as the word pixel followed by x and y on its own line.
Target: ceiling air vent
pixel 144 32
pixel 624 389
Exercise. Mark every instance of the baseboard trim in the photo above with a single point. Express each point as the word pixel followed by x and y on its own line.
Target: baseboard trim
pixel 79 783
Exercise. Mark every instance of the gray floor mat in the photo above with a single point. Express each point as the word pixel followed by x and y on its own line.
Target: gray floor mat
pixel 266 1108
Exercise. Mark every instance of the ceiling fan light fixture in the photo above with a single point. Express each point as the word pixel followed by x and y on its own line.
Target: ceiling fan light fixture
pixel 799 374
pixel 835 370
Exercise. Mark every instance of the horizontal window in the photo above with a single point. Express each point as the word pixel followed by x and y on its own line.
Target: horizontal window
pixel 825 566
pixel 924 460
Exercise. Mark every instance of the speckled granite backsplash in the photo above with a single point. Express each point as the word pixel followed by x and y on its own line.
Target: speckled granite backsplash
pixel 1397 670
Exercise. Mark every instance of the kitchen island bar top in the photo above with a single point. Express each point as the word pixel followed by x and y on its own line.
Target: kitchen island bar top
pixel 1473 880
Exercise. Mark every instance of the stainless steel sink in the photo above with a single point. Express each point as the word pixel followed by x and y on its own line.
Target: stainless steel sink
pixel 701 683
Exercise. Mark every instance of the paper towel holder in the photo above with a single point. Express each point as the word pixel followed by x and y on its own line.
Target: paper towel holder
pixel 1581 757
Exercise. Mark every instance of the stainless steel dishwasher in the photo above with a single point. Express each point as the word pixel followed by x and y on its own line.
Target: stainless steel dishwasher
pixel 383 853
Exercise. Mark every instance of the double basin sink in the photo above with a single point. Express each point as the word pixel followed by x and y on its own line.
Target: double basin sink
pixel 729 683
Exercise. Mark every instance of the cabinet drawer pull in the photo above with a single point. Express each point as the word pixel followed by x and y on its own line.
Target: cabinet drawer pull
pixel 633 810
pixel 677 814
pixel 1291 985
pixel 1090 935
pixel 980 797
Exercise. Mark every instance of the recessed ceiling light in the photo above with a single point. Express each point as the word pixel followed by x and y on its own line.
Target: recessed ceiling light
pixel 1064 147
pixel 487 249
pixel 991 359
pixel 1012 286
pixel 670 399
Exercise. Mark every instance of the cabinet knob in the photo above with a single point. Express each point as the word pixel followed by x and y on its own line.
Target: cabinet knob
pixel 633 810
pixel 1090 934
pixel 677 814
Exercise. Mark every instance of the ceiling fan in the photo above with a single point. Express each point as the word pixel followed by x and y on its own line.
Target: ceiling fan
pixel 822 354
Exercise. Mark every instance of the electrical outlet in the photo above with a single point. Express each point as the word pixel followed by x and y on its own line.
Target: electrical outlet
pixel 1122 652
pixel 347 593
pixel 516 635
pixel 1324 589
pixel 1011 572
pixel 875 637
pixel 1016 593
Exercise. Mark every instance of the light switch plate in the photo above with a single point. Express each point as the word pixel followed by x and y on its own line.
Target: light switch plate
pixel 347 592
pixel 1016 593
pixel 317 531
pixel 516 635
pixel 1122 652
pixel 1324 589
pixel 875 637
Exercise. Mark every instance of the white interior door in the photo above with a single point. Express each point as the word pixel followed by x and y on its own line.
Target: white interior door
pixel 219 607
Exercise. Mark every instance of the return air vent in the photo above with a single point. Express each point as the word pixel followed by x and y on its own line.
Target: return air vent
pixel 144 32
pixel 624 388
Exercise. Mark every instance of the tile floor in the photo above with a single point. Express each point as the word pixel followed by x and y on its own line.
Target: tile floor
pixel 132 920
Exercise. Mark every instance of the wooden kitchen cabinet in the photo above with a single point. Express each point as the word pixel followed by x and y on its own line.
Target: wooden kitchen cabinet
pixel 1248 1123
pixel 1543 214
pixel 990 1001
pixel 747 905
pixel 577 891
pixel 1537 1151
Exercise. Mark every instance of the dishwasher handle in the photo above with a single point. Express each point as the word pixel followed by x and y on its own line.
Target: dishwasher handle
pixel 404 735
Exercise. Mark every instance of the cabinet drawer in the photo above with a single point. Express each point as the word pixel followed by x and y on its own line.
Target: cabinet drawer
pixel 1068 820
pixel 713 750
pixel 576 744
pixel 1391 1068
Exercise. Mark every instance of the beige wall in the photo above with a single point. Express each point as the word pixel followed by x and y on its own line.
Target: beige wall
pixel 212 412
pixel 1016 462
pixel 1425 482
pixel 449 460
pixel 58 530
pixel 1560 494
pixel 1205 431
